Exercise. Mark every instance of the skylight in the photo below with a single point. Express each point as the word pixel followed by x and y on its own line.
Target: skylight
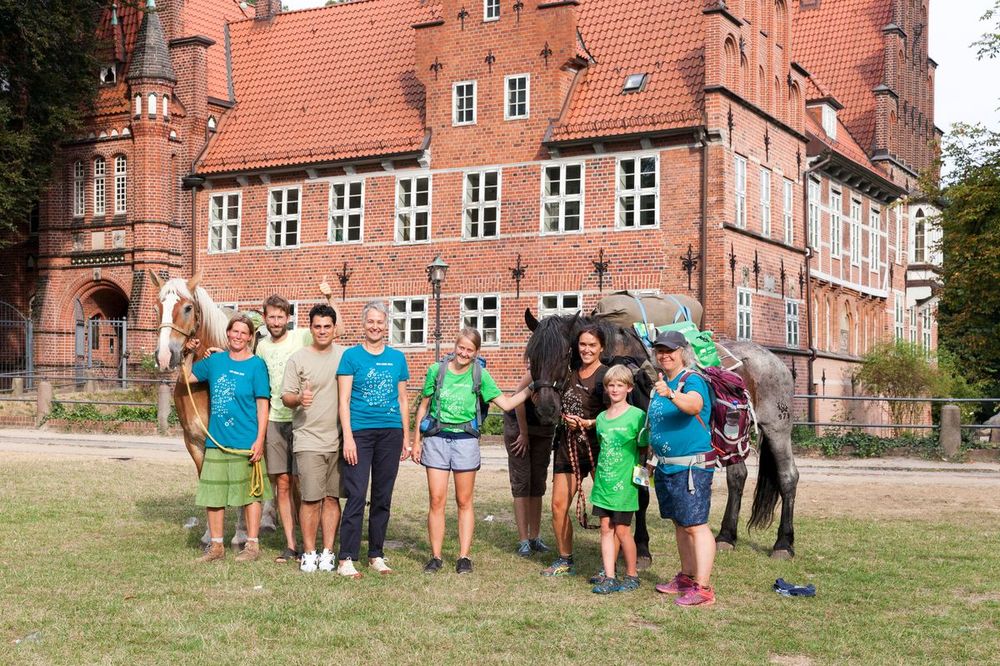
pixel 634 83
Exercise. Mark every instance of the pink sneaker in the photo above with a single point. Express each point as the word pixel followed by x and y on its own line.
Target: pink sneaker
pixel 679 585
pixel 696 595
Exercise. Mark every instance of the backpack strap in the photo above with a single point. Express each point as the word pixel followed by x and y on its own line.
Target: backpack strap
pixel 683 312
pixel 680 388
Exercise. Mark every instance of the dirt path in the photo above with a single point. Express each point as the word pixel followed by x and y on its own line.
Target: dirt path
pixel 877 488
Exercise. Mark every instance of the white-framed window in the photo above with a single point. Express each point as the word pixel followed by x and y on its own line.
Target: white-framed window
pixel 836 224
pixel 559 304
pixel 919 238
pixel 137 106
pixel 744 314
pixel 293 315
pixel 413 209
pixel 518 89
pixel 925 327
pixel 898 318
pixel 483 314
pixel 740 176
pixel 79 189
pixel 347 211
pixel 788 211
pixel 409 321
pixel 481 204
pixel 765 202
pixel 562 198
pixel 913 325
pixel 166 106
pixel 854 237
pixel 638 192
pixel 463 103
pixel 121 184
pixel 814 207
pixel 224 210
pixel 491 10
pixel 151 105
pixel 899 235
pixel 283 217
pixel 830 121
pixel 791 323
pixel 100 185
pixel 874 239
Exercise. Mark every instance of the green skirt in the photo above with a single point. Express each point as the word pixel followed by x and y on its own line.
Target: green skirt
pixel 225 481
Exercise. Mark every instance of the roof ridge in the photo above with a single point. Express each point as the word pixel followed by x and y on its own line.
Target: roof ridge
pixel 303 10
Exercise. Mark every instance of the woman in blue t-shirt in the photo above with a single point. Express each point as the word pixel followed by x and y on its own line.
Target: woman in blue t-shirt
pixel 239 392
pixel 679 412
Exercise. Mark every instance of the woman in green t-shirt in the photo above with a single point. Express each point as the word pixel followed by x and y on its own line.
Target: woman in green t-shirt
pixel 451 445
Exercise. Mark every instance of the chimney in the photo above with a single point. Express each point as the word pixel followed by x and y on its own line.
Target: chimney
pixel 267 9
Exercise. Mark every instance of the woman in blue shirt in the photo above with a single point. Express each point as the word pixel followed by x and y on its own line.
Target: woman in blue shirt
pixel 239 392
pixel 679 412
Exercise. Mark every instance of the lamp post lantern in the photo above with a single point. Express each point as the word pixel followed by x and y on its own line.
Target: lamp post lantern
pixel 436 271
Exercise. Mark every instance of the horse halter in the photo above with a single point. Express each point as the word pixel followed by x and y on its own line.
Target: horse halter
pixel 537 386
pixel 197 322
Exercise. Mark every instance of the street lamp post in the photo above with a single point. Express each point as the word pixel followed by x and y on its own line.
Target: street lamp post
pixel 436 271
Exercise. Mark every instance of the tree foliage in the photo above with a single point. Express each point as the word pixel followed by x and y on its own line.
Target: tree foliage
pixel 48 79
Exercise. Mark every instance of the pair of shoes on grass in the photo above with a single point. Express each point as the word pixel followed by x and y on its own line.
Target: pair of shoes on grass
pixel 462 566
pixel 609 585
pixel 563 566
pixel 688 591
pixel 526 547
pixel 313 561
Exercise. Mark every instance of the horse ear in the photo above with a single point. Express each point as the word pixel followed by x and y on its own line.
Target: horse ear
pixel 529 320
pixel 193 283
pixel 157 282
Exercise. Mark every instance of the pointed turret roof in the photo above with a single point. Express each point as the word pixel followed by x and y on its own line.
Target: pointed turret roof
pixel 151 59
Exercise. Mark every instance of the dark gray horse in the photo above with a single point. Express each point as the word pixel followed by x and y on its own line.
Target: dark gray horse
pixel 770 385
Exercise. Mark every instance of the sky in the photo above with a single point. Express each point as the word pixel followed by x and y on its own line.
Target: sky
pixel 967 89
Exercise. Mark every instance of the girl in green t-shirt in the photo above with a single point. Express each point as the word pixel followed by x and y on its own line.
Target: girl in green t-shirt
pixel 614 496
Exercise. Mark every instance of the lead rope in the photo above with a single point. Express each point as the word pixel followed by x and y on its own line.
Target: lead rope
pixel 256 471
pixel 572 441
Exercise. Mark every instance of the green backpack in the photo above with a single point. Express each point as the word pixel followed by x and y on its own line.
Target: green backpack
pixel 701 342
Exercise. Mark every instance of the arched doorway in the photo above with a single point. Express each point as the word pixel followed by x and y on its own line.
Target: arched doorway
pixel 101 332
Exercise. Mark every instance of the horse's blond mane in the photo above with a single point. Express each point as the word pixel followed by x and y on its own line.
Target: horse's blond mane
pixel 213 318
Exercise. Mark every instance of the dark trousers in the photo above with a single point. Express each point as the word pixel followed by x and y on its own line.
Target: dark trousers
pixel 378 457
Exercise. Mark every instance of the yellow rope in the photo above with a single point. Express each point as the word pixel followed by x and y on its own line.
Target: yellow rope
pixel 257 470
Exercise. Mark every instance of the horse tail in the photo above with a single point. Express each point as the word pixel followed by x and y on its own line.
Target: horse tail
pixel 765 496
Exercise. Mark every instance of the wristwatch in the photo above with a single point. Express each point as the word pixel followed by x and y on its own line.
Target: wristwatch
pixel 672 395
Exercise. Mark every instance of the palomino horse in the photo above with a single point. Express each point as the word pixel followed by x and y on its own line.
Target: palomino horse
pixel 186 311
pixel 768 381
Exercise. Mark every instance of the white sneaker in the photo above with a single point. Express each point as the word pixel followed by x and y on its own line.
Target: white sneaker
pixel 326 561
pixel 347 569
pixel 380 565
pixel 308 562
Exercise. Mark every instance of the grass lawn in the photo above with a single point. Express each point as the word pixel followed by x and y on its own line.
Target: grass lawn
pixel 97 568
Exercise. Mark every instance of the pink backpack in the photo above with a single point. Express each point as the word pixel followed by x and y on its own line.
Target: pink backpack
pixel 732 415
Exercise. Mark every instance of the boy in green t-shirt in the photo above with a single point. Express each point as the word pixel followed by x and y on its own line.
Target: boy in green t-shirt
pixel 615 497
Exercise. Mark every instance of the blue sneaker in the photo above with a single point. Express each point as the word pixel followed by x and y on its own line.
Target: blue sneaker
pixel 598 577
pixel 539 546
pixel 524 548
pixel 607 586
pixel 561 567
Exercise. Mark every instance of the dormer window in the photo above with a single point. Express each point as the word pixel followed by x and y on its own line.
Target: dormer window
pixel 212 123
pixel 491 10
pixel 634 83
pixel 829 119
pixel 108 75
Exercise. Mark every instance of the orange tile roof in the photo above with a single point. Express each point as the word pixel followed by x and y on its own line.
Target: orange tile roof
pixel 842 43
pixel 664 39
pixel 843 144
pixel 320 85
pixel 208 18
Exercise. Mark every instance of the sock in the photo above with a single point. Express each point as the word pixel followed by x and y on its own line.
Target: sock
pixel 252 540
pixel 216 539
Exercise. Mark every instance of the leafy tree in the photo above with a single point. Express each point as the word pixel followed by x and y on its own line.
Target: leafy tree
pixel 989 45
pixel 48 77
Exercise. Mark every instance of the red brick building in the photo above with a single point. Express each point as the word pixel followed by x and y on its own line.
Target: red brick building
pixel 269 149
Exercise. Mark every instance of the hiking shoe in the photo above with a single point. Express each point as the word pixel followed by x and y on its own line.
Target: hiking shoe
pixel 309 561
pixel 561 567
pixel 433 565
pixel 215 551
pixel 347 570
pixel 629 584
pixel 326 562
pixel 598 577
pixel 680 584
pixel 607 586
pixel 379 564
pixel 524 548
pixel 250 552
pixel 696 595
pixel 463 566
pixel 287 555
pixel 539 546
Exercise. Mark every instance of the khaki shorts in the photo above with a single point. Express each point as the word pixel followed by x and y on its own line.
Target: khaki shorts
pixel 319 475
pixel 278 448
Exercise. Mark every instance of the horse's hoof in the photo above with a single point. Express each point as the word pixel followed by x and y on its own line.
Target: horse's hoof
pixel 721 546
pixel 643 562
pixel 781 554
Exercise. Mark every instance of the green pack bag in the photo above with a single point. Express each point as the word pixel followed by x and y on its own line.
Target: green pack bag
pixel 701 342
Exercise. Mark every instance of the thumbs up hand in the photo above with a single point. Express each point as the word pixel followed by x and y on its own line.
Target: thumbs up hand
pixel 307 395
pixel 661 387
pixel 324 288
